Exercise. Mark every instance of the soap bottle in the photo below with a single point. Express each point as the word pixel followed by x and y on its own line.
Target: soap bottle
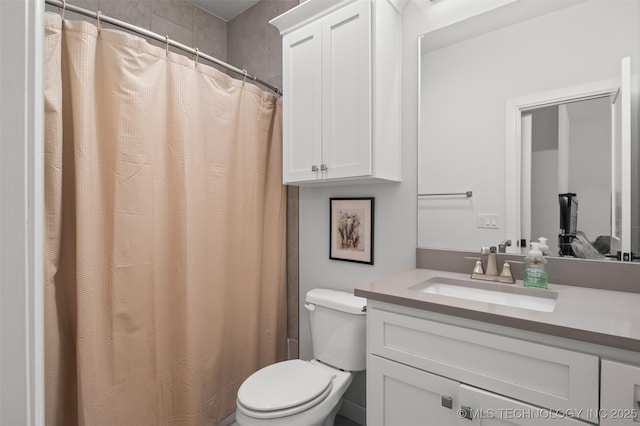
pixel 543 246
pixel 535 274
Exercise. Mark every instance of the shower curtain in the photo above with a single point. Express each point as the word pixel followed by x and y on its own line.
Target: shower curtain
pixel 165 221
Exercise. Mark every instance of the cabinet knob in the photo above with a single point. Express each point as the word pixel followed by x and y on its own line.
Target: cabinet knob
pixel 323 167
pixel 314 168
pixel 447 402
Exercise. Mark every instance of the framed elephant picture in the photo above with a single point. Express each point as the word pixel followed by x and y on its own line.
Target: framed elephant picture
pixel 351 229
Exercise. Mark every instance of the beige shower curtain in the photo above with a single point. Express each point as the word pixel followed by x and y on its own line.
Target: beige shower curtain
pixel 165 215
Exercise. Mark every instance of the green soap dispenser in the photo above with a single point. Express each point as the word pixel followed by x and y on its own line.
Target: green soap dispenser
pixel 535 274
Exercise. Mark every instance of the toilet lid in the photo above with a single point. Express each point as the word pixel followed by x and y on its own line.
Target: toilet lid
pixel 284 385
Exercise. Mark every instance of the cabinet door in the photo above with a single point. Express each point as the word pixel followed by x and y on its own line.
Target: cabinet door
pixel 398 395
pixel 490 409
pixel 346 90
pixel 619 394
pixel 302 131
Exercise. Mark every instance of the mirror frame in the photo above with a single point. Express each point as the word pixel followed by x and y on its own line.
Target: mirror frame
pixel 513 165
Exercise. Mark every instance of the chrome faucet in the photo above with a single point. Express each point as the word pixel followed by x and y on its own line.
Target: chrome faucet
pixel 489 253
pixel 502 247
pixel 491 271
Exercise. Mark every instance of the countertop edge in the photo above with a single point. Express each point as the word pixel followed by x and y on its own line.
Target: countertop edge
pixel 614 341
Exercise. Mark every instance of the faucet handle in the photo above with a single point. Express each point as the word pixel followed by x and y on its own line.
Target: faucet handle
pixel 506 275
pixel 477 268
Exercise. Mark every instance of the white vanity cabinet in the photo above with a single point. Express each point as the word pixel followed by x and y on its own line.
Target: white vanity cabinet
pixel 341 86
pixel 620 393
pixel 416 366
pixel 401 395
pixel 407 396
pixel 488 409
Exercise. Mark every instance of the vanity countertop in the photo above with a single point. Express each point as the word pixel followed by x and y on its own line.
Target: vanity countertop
pixel 605 317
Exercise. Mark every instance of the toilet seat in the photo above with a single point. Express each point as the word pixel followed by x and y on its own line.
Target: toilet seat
pixel 284 389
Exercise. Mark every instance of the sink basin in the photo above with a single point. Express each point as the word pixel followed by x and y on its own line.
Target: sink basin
pixel 497 294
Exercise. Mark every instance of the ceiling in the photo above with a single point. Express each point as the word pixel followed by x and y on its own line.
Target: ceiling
pixel 224 9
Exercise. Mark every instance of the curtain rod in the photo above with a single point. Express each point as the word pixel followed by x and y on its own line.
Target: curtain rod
pixel 63 5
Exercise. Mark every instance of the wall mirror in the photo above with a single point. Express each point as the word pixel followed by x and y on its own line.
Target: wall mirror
pixel 516 120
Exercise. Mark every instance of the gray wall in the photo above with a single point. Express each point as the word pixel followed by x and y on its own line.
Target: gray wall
pixel 255 45
pixel 179 19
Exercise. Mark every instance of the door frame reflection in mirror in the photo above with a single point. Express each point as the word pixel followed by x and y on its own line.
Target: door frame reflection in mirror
pixel 515 108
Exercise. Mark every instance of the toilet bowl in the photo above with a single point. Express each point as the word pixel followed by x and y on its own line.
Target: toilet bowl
pixel 309 393
pixel 300 393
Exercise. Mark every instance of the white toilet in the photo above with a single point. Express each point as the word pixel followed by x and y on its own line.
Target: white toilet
pixel 309 393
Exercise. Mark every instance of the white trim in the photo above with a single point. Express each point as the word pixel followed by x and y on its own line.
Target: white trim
pixel 514 108
pixel 305 13
pixel 564 132
pixel 525 176
pixel 21 213
pixel 625 88
pixel 616 231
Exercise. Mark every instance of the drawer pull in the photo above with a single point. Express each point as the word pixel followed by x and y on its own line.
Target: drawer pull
pixel 465 413
pixel 447 402
pixel 314 168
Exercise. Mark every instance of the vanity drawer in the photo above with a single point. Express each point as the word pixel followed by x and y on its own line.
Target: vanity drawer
pixel 543 375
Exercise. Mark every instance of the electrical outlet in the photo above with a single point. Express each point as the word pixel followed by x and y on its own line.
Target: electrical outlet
pixel 489 221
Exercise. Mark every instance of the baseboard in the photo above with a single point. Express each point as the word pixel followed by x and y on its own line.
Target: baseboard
pixel 230 420
pixel 350 410
pixel 354 412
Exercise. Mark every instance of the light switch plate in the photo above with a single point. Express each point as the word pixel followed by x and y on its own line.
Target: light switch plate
pixel 489 221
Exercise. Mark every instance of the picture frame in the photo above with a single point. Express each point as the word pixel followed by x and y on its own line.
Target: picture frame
pixel 351 227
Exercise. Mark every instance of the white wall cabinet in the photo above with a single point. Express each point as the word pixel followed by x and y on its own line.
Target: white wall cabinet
pixel 416 364
pixel 341 116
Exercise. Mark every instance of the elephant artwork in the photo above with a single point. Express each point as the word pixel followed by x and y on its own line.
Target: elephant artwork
pixel 349 224
pixel 351 229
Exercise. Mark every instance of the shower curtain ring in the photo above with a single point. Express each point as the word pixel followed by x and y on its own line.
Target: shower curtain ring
pixel 197 55
pixel 98 15
pixel 166 45
pixel 244 79
pixel 64 7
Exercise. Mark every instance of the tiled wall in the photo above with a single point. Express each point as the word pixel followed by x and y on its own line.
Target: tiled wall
pixel 256 46
pixel 179 19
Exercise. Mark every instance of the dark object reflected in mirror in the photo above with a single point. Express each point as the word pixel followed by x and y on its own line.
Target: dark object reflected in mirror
pixel 568 223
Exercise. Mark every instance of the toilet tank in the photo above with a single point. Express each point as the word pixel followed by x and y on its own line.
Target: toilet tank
pixel 338 328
